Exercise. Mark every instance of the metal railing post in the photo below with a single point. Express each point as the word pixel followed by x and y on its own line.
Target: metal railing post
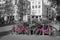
pixel 43 29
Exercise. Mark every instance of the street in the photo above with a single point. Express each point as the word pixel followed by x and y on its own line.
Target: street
pixel 29 37
pixel 5 30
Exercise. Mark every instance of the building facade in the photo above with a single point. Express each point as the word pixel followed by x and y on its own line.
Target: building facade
pixel 27 11
pixel 36 9
pixel 24 9
pixel 39 10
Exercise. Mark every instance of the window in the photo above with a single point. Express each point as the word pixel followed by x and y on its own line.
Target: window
pixel 38 2
pixel 33 7
pixel 39 6
pixel 32 2
pixel 36 16
pixel 36 6
pixel 39 16
pixel 49 9
pixel 49 15
pixel 32 16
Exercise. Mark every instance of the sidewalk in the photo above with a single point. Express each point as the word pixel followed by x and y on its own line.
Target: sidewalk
pixel 4 33
pixel 29 37
pixel 6 28
pixel 2 25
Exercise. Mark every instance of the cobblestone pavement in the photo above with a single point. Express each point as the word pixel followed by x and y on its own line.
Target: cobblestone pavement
pixel 29 37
